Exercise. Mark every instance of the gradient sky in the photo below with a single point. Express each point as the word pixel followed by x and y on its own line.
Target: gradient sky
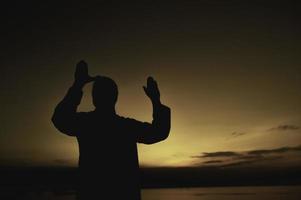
pixel 229 70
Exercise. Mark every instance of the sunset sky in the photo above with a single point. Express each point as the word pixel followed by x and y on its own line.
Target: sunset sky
pixel 229 70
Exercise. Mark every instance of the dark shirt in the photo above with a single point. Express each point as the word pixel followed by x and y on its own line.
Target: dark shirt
pixel 108 161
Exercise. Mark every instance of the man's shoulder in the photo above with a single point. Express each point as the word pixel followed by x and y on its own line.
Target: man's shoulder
pixel 124 119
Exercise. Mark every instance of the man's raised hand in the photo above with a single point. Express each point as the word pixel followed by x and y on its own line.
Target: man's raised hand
pixel 152 90
pixel 81 74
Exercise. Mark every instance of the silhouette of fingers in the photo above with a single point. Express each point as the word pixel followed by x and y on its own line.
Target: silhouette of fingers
pixel 155 85
pixel 81 73
pixel 81 68
pixel 82 62
pixel 151 83
pixel 144 88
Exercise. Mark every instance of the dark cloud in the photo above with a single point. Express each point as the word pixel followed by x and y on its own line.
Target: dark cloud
pixel 285 127
pixel 271 151
pixel 250 161
pixel 219 154
pixel 237 134
pixel 232 158
pixel 213 161
pixel 248 156
pixel 239 163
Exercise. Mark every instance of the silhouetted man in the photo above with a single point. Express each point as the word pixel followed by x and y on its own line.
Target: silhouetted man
pixel 108 161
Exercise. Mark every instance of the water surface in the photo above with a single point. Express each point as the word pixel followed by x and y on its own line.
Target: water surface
pixel 225 193
pixel 199 193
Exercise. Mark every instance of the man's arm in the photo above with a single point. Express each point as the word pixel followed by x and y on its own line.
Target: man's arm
pixel 65 117
pixel 159 129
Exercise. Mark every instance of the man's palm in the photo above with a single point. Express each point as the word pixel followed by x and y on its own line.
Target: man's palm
pixel 81 73
pixel 152 90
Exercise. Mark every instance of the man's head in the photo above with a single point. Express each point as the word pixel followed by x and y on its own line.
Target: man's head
pixel 104 92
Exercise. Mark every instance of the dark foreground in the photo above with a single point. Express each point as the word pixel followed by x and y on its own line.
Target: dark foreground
pixel 197 193
pixel 160 183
